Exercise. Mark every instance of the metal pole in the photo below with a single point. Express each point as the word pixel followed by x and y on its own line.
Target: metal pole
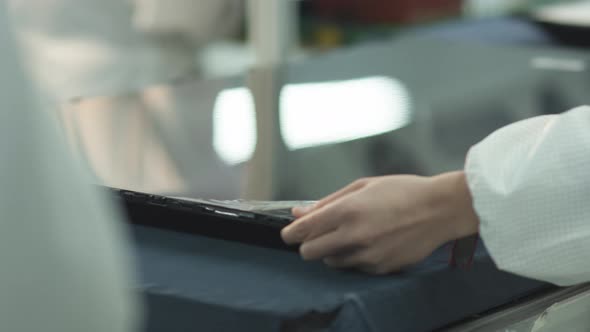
pixel 272 28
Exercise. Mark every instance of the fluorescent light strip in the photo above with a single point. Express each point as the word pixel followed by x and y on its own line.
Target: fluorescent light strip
pixel 234 125
pixel 330 112
pixel 313 114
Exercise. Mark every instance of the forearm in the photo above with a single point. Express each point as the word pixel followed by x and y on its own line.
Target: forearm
pixel 454 205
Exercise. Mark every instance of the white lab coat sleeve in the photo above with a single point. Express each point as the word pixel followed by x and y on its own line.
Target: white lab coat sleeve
pixel 199 21
pixel 64 265
pixel 530 183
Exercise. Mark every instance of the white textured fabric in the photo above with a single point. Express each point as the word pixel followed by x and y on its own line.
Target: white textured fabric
pixel 85 48
pixel 530 182
pixel 63 263
pixel 82 48
pixel 199 21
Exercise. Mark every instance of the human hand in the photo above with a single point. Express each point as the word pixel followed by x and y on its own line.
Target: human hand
pixel 380 225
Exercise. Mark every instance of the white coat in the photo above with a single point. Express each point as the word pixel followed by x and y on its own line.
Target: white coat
pixel 530 183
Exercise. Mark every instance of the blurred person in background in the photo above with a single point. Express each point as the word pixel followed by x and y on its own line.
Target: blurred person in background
pixel 525 189
pixel 92 60
pixel 65 265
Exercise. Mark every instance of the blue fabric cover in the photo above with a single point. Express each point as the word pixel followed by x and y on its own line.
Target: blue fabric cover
pixel 197 283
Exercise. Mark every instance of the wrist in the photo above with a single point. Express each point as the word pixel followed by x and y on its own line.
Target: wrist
pixel 455 205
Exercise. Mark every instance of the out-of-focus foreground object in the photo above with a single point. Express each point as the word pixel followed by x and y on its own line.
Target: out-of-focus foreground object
pixel 65 267
pixel 79 50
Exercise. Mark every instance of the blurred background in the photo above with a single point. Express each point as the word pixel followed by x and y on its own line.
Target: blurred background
pixel 285 99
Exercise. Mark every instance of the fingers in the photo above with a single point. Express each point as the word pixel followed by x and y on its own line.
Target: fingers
pixel 367 260
pixel 380 256
pixel 352 259
pixel 356 185
pixel 299 212
pixel 312 225
pixel 331 244
pixel 324 218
